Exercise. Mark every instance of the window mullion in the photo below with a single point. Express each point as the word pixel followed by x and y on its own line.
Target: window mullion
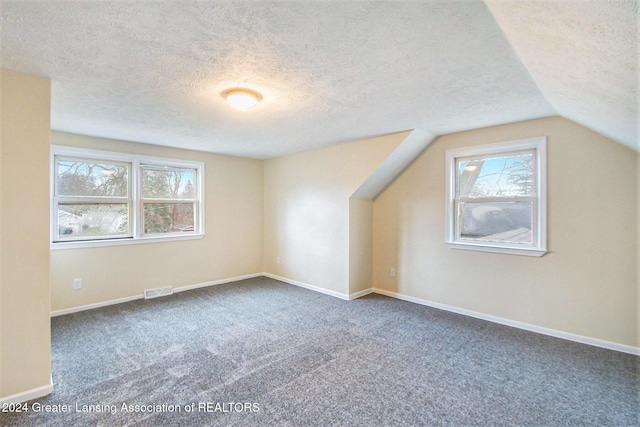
pixel 88 200
pixel 174 217
pixel 136 206
pixel 158 200
pixel 496 199
pixel 514 224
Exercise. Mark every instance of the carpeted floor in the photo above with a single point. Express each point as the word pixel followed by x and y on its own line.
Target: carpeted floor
pixel 262 353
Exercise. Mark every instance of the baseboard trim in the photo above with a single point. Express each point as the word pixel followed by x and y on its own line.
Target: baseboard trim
pixel 216 282
pixel 308 286
pixel 359 294
pixel 77 309
pixel 141 296
pixel 25 396
pixel 513 323
pixel 495 319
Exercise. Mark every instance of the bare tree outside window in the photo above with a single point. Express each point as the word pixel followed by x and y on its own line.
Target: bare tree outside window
pixel 504 177
pixel 496 197
pixel 94 198
pixel 168 199
pixel 107 198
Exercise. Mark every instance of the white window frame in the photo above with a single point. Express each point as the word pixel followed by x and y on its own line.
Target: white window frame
pixel 539 221
pixel 136 234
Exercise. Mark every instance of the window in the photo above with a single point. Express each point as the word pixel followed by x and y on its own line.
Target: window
pixel 105 198
pixel 496 197
pixel 168 199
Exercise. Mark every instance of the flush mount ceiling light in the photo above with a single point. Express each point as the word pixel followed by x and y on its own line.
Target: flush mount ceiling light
pixel 242 99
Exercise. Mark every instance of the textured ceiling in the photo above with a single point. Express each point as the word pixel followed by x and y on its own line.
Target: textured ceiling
pixel 584 57
pixel 329 72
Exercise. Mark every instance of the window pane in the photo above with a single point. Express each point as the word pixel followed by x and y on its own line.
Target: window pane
pixel 504 176
pixel 168 217
pixel 93 220
pixel 168 183
pixel 496 222
pixel 78 178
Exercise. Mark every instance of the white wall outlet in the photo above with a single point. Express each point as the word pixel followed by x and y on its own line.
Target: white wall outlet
pixel 393 272
pixel 278 260
pixel 77 284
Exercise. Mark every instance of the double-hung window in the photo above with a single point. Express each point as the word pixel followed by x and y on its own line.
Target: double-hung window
pixel 93 198
pixel 496 197
pixel 169 202
pixel 106 198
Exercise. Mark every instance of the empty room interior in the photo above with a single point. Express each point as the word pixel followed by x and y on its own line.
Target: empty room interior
pixel 320 213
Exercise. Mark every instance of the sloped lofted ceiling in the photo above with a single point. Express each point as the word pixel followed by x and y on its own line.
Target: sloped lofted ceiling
pixel 329 72
pixel 584 57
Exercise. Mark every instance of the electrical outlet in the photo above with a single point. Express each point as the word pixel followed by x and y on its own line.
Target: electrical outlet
pixel 278 260
pixel 77 284
pixel 393 272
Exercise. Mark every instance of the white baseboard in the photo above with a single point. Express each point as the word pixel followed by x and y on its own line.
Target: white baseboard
pixel 308 286
pixel 520 325
pixel 513 323
pixel 28 395
pixel 216 282
pixel 95 305
pixel 340 295
pixel 141 296
pixel 356 295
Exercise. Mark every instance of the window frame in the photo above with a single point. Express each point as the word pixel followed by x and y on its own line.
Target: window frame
pixel 89 200
pixel 136 233
pixel 142 200
pixel 537 146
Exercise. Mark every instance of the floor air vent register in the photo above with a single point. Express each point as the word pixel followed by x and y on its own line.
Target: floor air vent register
pixel 158 292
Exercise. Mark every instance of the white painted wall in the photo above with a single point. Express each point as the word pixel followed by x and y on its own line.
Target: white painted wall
pixel 588 283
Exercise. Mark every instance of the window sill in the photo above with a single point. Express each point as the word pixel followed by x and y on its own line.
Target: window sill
pixel 533 252
pixel 122 242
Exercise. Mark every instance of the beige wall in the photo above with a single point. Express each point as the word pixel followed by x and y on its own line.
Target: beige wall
pixel 232 246
pixel 298 208
pixel 360 244
pixel 24 234
pixel 586 285
pixel 307 209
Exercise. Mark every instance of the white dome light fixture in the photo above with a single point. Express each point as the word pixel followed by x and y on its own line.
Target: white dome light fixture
pixel 242 99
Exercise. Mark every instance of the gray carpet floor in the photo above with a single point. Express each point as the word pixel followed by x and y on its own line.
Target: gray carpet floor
pixel 263 353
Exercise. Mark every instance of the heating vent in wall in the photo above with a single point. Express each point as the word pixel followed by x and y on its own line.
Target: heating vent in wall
pixel 158 292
